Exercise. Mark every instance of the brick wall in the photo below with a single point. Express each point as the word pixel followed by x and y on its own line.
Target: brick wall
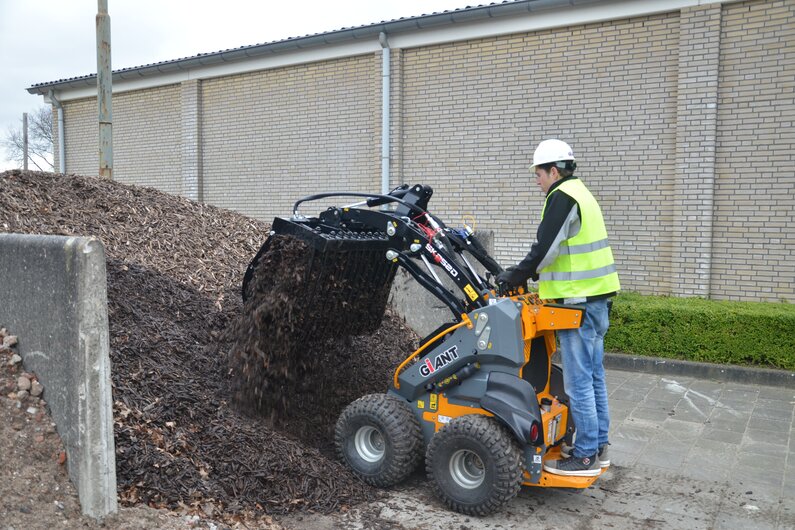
pixel 693 197
pixel 271 137
pixel 474 112
pixel 146 138
pixel 754 238
pixel 682 124
pixel 80 141
pixel 148 155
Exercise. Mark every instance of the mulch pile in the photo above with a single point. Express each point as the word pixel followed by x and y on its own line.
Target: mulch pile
pixel 176 320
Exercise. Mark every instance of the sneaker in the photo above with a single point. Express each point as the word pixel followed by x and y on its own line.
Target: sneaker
pixel 602 456
pixel 573 466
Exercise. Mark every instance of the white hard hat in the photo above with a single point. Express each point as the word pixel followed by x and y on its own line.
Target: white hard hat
pixel 552 151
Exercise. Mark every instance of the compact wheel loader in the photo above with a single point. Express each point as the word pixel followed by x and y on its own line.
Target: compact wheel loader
pixel 480 399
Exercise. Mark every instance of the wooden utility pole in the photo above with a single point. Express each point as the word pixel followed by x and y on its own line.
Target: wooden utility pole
pixel 25 141
pixel 104 92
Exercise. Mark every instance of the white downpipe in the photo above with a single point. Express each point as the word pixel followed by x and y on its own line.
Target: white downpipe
pixel 61 133
pixel 385 68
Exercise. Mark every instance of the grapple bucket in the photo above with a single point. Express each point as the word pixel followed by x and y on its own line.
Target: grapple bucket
pixel 339 279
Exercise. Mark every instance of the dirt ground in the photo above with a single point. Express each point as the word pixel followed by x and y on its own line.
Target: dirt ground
pixel 35 490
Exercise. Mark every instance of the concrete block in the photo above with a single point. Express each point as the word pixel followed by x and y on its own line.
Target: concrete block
pixel 54 297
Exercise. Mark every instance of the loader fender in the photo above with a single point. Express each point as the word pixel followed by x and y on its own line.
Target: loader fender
pixel 513 401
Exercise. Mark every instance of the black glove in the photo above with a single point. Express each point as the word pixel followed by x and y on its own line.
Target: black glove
pixel 512 277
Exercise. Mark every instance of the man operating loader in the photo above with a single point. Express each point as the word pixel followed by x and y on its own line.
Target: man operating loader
pixel 573 264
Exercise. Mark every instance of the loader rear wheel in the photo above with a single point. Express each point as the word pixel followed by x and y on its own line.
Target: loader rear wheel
pixel 379 437
pixel 474 465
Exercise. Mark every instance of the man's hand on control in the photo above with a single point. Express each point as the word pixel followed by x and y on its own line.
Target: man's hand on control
pixel 512 277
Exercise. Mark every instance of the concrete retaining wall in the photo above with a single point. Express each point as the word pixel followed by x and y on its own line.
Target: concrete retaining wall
pixel 53 295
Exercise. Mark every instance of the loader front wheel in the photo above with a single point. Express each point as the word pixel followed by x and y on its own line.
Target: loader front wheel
pixel 379 437
pixel 474 465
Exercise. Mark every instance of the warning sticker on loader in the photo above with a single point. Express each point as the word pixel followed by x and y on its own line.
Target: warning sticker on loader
pixel 470 291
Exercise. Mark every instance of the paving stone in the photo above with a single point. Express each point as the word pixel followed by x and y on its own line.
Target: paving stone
pixel 659 403
pixel 763 477
pixel 771 437
pixel 634 396
pixel 620 404
pixel 673 438
pixel 729 415
pixel 740 392
pixel 614 380
pixel 664 396
pixel 685 412
pixel 664 519
pixel 627 506
pixel 619 458
pixel 700 401
pixel 763 424
pixel 664 457
pixel 695 508
pixel 723 448
pixel 728 420
pixel 725 460
pixel 638 387
pixel 782 406
pixel 786 517
pixel 607 520
pixel 743 491
pixel 651 413
pixel 705 472
pixel 739 406
pixel 707 388
pixel 739 428
pixel 735 437
pixel 639 429
pixel 764 449
pixel 629 447
pixel 745 518
pixel 682 430
pixel 773 415
pixel 760 461
pixel 775 393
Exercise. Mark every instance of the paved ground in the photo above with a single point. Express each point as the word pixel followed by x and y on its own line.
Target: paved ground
pixel 685 453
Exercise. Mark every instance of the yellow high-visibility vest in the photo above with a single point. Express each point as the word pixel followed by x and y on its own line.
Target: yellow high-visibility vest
pixel 584 267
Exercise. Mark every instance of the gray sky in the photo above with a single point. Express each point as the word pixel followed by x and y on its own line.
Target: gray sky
pixel 45 40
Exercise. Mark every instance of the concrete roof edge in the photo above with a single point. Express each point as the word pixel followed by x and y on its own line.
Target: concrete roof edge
pixel 417 23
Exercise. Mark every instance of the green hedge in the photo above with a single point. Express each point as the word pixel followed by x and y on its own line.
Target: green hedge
pixel 745 333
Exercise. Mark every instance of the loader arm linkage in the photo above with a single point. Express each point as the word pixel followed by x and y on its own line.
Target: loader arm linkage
pixel 395 237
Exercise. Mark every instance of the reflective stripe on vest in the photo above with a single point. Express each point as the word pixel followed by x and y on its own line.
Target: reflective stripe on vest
pixel 584 265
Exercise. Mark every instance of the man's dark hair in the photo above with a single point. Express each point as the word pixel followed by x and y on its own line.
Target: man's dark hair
pixel 565 167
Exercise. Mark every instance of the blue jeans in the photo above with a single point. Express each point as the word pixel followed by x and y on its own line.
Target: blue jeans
pixel 582 351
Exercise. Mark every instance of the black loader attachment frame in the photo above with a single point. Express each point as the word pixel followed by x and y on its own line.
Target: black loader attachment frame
pixel 354 251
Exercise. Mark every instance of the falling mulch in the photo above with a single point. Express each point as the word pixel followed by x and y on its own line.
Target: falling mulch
pixel 174 272
pixel 294 333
